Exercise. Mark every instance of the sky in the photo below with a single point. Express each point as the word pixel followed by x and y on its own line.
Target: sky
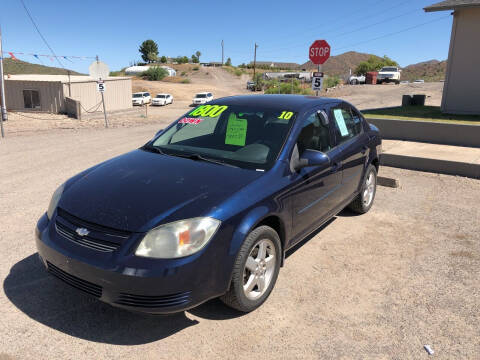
pixel 283 30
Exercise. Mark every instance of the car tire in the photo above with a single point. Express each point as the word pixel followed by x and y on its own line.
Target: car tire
pixel 353 82
pixel 379 82
pixel 255 270
pixel 364 201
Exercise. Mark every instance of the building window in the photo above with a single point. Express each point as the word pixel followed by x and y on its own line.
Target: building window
pixel 31 99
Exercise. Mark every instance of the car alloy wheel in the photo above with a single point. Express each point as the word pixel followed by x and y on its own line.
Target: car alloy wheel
pixel 259 269
pixel 255 270
pixel 369 189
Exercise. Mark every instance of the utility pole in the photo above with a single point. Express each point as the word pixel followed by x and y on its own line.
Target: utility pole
pixel 103 102
pixel 254 60
pixel 222 52
pixel 69 84
pixel 4 116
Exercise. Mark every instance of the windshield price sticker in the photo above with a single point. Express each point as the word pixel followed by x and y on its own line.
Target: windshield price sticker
pixel 236 131
pixel 193 121
pixel 340 120
pixel 287 115
pixel 209 110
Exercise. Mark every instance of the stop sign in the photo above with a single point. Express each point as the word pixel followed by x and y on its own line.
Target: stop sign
pixel 319 52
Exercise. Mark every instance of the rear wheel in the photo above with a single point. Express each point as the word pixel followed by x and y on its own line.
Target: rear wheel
pixel 255 270
pixel 364 201
pixel 353 82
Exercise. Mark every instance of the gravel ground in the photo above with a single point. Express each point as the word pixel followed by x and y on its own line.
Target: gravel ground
pixel 221 83
pixel 376 286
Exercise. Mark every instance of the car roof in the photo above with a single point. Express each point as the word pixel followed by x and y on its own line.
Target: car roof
pixel 204 92
pixel 290 102
pixel 163 94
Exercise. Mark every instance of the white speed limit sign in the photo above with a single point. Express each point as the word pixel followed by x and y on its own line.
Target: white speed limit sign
pixel 317 81
pixel 100 86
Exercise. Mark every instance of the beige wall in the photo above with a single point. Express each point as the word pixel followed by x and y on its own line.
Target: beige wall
pixel 461 94
pixel 51 95
pixel 118 94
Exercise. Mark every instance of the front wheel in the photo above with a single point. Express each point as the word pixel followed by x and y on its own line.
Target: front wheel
pixel 255 270
pixel 364 201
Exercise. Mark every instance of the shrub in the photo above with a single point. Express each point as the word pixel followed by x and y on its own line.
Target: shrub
pixel 195 68
pixel 155 73
pixel 288 87
pixel 186 81
pixel 238 72
pixel 331 81
pixel 183 73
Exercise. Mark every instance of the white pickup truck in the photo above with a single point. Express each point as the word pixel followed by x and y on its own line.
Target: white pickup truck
pixel 389 74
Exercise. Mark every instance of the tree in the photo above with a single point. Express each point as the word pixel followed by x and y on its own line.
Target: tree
pixel 374 63
pixel 195 59
pixel 198 54
pixel 149 50
pixel 163 59
pixel 228 62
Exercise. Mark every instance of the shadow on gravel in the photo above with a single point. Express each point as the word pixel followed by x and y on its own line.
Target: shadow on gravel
pixel 55 304
pixel 297 246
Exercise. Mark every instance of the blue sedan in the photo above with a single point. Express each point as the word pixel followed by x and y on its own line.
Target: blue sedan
pixel 210 205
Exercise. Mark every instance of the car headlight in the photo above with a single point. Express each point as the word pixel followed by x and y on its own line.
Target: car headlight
pixel 54 201
pixel 178 239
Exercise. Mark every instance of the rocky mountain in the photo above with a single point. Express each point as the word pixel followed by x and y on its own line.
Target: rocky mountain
pixel 339 65
pixel 432 70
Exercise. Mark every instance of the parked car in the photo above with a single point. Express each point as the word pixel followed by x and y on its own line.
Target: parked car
pixel 209 207
pixel 251 85
pixel 141 98
pixel 202 98
pixel 389 74
pixel 356 79
pixel 162 99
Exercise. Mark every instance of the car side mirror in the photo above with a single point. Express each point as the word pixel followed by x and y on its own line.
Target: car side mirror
pixel 312 158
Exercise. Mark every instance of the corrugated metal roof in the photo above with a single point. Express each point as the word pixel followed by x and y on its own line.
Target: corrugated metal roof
pixel 452 4
pixel 58 78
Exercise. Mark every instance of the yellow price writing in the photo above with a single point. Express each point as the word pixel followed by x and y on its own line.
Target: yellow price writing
pixel 287 115
pixel 209 110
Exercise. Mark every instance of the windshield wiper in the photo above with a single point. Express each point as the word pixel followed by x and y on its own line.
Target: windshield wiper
pixel 199 157
pixel 152 148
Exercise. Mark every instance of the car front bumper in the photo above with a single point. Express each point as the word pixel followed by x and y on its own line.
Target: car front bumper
pixel 156 286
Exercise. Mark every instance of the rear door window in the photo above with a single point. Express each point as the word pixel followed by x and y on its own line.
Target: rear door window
pixel 347 125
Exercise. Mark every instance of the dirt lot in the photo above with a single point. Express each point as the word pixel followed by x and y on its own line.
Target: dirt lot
pixel 220 83
pixel 377 286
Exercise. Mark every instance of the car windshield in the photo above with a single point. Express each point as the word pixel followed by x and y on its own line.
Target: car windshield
pixel 389 69
pixel 137 95
pixel 248 137
pixel 160 96
pixel 201 96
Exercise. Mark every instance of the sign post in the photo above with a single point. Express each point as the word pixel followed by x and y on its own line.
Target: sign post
pixel 100 70
pixel 319 52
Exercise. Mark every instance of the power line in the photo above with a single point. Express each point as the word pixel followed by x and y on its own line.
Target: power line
pixel 40 33
pixel 329 31
pixel 395 33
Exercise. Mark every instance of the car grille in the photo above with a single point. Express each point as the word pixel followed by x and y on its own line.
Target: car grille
pixel 74 281
pixel 99 238
pixel 147 301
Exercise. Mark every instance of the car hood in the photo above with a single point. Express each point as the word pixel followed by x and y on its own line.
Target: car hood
pixel 140 190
